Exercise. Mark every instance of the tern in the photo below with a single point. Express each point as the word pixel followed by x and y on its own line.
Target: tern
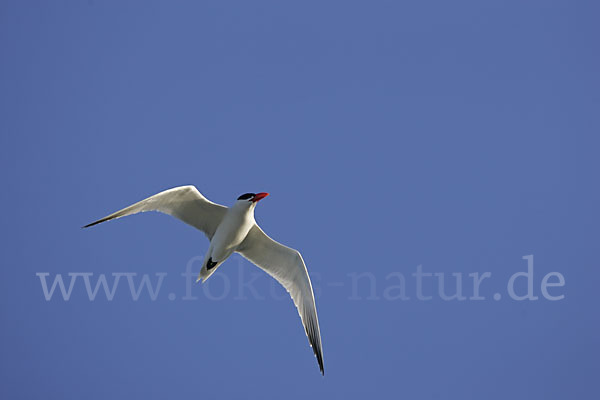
pixel 233 229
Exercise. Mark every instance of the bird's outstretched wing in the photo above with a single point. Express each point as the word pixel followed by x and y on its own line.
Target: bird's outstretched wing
pixel 185 203
pixel 287 267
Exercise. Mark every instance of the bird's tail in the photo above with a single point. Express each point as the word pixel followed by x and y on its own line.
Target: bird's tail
pixel 208 268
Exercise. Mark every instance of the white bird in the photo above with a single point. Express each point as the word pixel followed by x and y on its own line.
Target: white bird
pixel 235 230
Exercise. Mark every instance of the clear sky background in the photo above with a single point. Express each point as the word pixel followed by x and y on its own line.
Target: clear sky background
pixel 455 135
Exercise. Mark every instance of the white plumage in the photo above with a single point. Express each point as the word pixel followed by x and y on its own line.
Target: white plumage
pixel 235 230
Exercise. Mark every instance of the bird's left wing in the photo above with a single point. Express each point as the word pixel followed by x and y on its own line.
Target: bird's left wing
pixel 287 267
pixel 185 203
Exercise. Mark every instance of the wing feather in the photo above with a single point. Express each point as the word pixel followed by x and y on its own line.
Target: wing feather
pixel 185 203
pixel 287 267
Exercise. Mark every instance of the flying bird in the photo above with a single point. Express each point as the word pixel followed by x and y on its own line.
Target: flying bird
pixel 233 229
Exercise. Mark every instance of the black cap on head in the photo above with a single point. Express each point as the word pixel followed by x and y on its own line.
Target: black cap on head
pixel 246 196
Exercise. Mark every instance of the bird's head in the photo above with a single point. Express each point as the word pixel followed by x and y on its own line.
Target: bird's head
pixel 250 199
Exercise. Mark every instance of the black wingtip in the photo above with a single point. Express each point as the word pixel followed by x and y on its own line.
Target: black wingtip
pixel 97 222
pixel 320 360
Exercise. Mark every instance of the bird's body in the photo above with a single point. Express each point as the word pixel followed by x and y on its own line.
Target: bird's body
pixel 230 233
pixel 232 230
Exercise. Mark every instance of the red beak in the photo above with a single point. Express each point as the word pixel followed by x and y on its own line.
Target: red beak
pixel 259 196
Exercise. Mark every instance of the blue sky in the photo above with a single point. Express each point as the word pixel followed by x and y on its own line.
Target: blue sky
pixel 456 136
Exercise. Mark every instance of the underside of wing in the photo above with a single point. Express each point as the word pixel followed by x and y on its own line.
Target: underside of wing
pixel 287 267
pixel 185 203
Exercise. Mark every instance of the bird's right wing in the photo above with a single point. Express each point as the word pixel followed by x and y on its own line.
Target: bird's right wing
pixel 185 203
pixel 287 267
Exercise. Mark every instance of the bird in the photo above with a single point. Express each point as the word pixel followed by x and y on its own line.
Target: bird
pixel 234 230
